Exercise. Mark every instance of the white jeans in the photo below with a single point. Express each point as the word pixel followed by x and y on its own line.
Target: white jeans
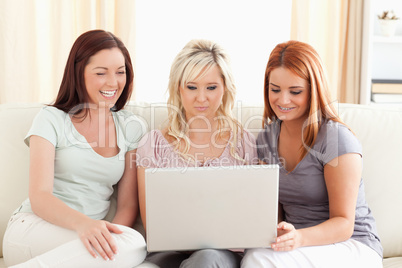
pixel 30 241
pixel 350 253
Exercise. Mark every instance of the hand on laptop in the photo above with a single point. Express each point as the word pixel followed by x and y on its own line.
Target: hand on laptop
pixel 288 237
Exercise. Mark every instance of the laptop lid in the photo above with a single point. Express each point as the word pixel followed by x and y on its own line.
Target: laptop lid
pixel 232 207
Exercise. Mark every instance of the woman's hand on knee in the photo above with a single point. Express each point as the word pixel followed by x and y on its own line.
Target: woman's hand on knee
pixel 96 236
pixel 288 237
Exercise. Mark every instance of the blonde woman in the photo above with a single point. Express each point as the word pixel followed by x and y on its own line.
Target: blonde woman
pixel 324 218
pixel 201 132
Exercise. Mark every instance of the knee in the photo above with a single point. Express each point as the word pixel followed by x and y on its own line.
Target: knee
pixel 131 243
pixel 131 237
pixel 258 257
pixel 212 258
pixel 211 254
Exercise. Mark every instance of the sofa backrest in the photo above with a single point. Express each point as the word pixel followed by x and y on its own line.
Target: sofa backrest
pixel 15 121
pixel 378 129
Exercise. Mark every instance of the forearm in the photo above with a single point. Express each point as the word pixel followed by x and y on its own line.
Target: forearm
pixel 141 195
pixel 127 198
pixel 126 215
pixel 55 211
pixel 334 230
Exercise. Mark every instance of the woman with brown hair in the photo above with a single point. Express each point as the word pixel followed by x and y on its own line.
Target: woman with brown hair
pixel 324 220
pixel 80 147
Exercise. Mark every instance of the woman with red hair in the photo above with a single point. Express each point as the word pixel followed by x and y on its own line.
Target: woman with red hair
pixel 324 220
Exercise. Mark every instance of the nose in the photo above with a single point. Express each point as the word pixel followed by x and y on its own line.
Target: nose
pixel 201 95
pixel 284 98
pixel 111 80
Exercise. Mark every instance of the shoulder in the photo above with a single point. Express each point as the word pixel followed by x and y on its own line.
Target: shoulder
pixel 335 139
pixel 133 128
pixel 332 131
pixel 49 115
pixel 152 147
pixel 154 140
pixel 246 139
pixel 52 113
pixel 48 123
pixel 267 142
pixel 249 149
pixel 154 135
pixel 128 119
pixel 247 135
pixel 268 133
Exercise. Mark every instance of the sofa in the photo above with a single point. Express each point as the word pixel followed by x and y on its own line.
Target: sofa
pixel 378 128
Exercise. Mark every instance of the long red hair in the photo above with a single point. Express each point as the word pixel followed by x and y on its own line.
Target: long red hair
pixel 302 59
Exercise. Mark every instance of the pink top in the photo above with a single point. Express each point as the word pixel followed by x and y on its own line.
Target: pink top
pixel 154 151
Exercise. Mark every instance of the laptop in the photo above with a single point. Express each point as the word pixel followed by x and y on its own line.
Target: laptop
pixel 232 207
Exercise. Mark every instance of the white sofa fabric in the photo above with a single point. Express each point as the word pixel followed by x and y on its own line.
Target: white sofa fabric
pixel 379 129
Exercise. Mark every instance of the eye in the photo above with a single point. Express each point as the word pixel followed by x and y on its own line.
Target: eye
pixel 295 92
pixel 100 73
pixel 191 87
pixel 275 90
pixel 211 87
pixel 121 72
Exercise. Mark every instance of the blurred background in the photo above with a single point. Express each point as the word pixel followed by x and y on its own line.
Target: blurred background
pixel 36 37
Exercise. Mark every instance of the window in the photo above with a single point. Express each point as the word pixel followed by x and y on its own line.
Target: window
pixel 248 30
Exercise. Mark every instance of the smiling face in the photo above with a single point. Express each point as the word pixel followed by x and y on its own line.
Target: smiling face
pixel 289 95
pixel 203 96
pixel 105 77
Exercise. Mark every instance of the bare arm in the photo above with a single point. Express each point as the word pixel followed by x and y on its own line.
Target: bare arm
pixel 127 198
pixel 342 177
pixel 92 233
pixel 141 194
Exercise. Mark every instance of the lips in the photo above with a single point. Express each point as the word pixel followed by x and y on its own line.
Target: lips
pixel 285 109
pixel 108 93
pixel 201 108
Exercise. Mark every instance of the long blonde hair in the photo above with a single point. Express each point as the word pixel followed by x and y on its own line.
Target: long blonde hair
pixel 193 61
pixel 301 59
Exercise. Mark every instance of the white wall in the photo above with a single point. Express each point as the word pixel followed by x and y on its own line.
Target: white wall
pixel 387 56
pixel 248 30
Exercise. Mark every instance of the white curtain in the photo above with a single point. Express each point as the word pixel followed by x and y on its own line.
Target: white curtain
pixel 36 37
pixel 334 29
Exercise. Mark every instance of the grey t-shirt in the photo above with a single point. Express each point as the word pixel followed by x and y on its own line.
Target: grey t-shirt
pixel 84 179
pixel 303 193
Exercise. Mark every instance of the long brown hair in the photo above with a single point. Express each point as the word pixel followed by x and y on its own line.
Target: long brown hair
pixel 73 96
pixel 302 59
